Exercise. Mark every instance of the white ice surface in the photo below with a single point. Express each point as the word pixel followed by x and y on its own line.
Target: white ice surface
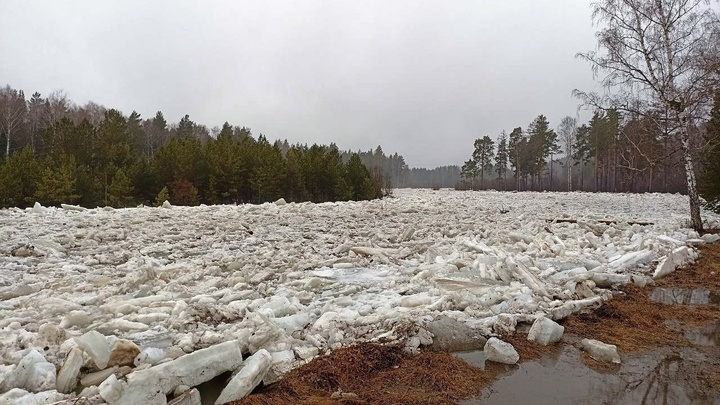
pixel 303 276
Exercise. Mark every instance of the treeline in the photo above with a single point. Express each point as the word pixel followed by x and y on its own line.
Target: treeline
pixel 55 152
pixel 395 172
pixel 390 169
pixel 612 152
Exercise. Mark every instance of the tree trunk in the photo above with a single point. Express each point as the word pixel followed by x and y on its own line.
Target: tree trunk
pixel 650 182
pixel 550 186
pixel 569 173
pixel 690 178
pixel 482 174
pixel 597 180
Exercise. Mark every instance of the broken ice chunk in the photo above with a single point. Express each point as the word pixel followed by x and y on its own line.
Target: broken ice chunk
pixel 255 368
pixel 600 351
pixel 67 378
pixel 500 352
pixel 96 346
pixel 544 331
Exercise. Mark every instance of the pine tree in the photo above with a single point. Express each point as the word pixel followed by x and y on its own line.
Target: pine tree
pixel 598 144
pixel 269 174
pixel 58 183
pixel 294 183
pixel 581 151
pixel 359 181
pixel 483 155
pixel 223 167
pixel 185 128
pixel 501 158
pixel 710 179
pixel 19 176
pixel 36 112
pixel 120 191
pixel 544 144
pixel 163 195
pixel 469 171
pixel 515 152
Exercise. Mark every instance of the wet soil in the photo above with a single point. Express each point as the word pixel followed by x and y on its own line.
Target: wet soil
pixel 667 336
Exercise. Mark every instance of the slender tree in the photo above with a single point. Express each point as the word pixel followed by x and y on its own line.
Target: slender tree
pixel 501 158
pixel 581 148
pixel 36 106
pixel 12 114
pixel 567 131
pixel 515 148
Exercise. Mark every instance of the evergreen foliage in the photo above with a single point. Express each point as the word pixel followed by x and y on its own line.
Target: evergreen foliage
pixel 94 156
pixel 163 195
pixel 58 183
pixel 19 176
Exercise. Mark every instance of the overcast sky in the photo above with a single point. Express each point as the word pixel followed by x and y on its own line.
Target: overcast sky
pixel 421 78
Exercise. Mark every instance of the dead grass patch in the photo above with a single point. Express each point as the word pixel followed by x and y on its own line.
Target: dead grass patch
pixel 528 350
pixel 705 273
pixel 376 374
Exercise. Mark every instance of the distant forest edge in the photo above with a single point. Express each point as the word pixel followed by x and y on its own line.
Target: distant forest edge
pixel 53 151
pixel 611 153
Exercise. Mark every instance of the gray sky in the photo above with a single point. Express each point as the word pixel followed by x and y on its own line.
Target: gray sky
pixel 421 78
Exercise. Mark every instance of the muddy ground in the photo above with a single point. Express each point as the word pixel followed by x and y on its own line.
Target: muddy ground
pixel 668 336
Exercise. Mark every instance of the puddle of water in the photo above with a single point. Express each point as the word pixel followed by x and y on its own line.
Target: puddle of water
pixel 708 335
pixel 657 377
pixel 699 296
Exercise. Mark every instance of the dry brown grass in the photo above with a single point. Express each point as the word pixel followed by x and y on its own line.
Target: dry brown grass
pixel 700 274
pixel 633 322
pixel 377 375
pixel 526 349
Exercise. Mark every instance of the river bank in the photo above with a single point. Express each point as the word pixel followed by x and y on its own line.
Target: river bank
pixel 667 334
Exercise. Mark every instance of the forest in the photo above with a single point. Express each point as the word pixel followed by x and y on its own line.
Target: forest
pixel 610 153
pixel 56 152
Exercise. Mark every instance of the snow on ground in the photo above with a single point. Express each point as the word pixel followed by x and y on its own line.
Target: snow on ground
pixel 298 279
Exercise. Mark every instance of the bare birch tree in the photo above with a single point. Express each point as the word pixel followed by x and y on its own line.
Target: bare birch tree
pixel 12 114
pixel 567 131
pixel 657 55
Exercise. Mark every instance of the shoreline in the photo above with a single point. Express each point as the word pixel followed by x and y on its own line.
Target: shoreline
pixel 645 332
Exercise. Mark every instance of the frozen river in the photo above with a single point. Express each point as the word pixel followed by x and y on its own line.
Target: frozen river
pixel 298 279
